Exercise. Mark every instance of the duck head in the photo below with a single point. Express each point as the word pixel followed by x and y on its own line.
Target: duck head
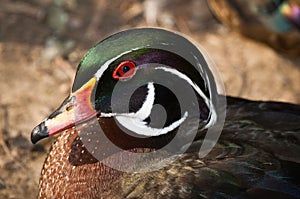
pixel 140 85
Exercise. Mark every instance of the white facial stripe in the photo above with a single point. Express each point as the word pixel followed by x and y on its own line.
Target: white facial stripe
pixel 213 115
pixel 103 68
pixel 184 77
pixel 135 121
pixel 145 110
pixel 139 126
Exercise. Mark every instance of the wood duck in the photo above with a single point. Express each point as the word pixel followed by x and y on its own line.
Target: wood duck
pixel 110 149
pixel 274 22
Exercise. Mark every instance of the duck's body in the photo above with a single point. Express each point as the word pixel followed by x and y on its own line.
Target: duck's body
pixel 274 22
pixel 110 152
pixel 257 156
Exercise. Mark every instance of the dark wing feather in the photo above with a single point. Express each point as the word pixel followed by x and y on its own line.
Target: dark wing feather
pixel 257 156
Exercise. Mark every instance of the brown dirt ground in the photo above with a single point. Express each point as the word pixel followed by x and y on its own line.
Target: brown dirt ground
pixel 32 84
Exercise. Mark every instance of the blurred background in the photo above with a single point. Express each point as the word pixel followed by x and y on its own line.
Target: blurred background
pixel 42 42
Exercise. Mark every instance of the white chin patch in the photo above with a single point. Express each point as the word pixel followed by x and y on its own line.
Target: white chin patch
pixel 134 122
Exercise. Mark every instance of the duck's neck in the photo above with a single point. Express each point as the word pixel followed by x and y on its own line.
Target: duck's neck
pixel 70 171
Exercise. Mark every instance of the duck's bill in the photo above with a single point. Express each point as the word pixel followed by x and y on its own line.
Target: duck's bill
pixel 77 108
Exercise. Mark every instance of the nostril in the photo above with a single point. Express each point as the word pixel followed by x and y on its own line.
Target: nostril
pixel 70 107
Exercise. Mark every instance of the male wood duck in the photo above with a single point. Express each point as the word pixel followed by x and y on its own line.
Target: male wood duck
pixel 274 22
pixel 110 149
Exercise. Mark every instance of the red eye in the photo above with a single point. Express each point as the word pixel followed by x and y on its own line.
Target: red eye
pixel 125 70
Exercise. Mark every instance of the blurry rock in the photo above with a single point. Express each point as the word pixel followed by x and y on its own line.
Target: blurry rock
pixel 275 23
pixel 57 47
pixel 19 142
pixel 57 19
pixel 131 9
pixel 202 17
pixel 11 166
pixel 2 184
pixel 189 15
pixel 70 4
pixel 38 148
pixel 152 9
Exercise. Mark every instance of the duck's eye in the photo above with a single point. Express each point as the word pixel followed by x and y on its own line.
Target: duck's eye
pixel 125 70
